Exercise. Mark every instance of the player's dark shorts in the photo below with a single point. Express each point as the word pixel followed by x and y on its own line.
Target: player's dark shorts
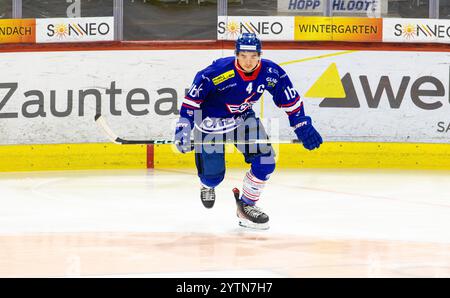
pixel 210 156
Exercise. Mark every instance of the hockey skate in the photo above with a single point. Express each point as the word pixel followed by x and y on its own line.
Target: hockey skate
pixel 208 197
pixel 250 216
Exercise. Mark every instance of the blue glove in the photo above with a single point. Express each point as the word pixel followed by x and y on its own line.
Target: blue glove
pixel 183 135
pixel 307 134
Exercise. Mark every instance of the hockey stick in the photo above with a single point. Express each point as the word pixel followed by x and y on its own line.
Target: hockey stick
pixel 101 122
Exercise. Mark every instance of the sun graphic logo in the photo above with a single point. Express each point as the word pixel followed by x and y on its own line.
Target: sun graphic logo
pixel 233 28
pixel 409 31
pixel 61 30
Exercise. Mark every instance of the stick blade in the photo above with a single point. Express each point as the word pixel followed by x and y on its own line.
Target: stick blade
pixel 100 121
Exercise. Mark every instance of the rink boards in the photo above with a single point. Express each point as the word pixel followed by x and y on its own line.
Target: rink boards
pixel 330 155
pixel 375 105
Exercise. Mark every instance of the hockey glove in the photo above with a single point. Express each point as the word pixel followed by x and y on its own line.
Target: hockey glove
pixel 183 135
pixel 307 134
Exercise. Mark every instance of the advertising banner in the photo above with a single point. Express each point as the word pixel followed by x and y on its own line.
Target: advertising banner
pixel 17 31
pixel 370 96
pixel 338 29
pixel 74 29
pixel 267 28
pixel 416 30
pixel 368 7
pixel 387 96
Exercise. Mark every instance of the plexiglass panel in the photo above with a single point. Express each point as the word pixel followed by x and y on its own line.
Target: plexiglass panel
pixel 169 20
pixel 66 8
pixel 5 9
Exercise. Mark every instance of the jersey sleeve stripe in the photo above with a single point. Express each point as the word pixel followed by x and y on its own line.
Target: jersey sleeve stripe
pixel 189 107
pixel 296 110
pixel 293 107
pixel 291 103
pixel 194 100
pixel 194 103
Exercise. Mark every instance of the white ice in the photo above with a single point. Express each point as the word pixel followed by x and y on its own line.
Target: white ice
pixel 347 205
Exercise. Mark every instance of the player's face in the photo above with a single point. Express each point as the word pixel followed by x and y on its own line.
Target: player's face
pixel 248 60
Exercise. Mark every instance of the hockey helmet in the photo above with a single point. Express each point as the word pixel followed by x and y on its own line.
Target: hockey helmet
pixel 248 42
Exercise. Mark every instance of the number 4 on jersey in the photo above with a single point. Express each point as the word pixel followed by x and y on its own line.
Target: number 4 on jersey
pixel 249 88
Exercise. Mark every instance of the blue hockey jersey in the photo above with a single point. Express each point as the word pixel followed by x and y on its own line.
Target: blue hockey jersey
pixel 223 90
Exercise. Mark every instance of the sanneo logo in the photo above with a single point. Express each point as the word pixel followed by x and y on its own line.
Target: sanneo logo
pixel 74 29
pixel 267 28
pixel 260 28
pixel 77 29
pixel 410 31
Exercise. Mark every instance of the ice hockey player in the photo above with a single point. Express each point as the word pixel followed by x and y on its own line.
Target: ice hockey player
pixel 218 106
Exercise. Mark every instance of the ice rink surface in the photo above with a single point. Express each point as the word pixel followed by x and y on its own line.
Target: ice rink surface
pixel 151 223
